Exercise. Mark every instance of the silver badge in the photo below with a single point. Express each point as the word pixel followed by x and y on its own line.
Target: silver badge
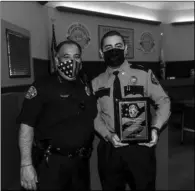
pixel 87 90
pixel 133 80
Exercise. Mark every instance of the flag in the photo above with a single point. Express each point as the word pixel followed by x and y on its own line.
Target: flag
pixel 162 61
pixel 53 50
pixel 162 64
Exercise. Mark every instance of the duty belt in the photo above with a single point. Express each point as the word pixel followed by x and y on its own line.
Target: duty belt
pixel 81 152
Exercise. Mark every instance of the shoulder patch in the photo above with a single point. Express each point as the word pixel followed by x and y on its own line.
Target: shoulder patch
pixel 139 67
pixel 154 79
pixel 31 93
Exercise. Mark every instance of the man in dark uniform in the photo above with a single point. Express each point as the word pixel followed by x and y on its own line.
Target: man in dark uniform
pixel 119 162
pixel 58 115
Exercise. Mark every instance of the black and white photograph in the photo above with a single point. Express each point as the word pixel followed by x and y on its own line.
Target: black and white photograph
pixel 97 95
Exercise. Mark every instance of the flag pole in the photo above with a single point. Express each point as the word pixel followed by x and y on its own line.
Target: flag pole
pixel 161 58
pixel 53 48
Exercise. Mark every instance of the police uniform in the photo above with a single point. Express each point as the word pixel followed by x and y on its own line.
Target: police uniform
pixel 135 164
pixel 63 112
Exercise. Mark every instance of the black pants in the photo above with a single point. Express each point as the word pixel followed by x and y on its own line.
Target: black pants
pixel 135 165
pixel 64 173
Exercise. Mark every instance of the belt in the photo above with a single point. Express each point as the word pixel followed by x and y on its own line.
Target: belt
pixel 81 152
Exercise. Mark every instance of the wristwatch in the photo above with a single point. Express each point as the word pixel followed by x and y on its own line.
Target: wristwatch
pixel 157 130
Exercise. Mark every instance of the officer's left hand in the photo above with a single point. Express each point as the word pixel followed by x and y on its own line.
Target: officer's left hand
pixel 154 140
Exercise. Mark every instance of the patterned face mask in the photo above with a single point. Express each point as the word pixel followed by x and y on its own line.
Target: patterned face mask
pixel 69 68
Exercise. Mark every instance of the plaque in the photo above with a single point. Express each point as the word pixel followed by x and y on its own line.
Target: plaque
pixel 133 116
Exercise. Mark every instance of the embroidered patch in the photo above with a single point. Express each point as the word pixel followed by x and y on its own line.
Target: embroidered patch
pixel 32 92
pixel 154 80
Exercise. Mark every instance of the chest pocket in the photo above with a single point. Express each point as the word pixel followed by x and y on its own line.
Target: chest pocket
pixel 133 90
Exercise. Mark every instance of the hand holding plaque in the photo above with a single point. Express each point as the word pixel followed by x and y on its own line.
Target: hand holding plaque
pixel 134 120
pixel 116 142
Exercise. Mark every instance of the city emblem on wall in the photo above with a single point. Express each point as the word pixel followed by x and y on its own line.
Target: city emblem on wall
pixel 79 33
pixel 146 42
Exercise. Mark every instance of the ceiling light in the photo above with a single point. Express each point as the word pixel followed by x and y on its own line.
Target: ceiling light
pixel 184 19
pixel 106 10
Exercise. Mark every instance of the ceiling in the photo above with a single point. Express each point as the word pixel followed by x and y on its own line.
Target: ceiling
pixel 177 11
pixel 177 5
pixel 156 5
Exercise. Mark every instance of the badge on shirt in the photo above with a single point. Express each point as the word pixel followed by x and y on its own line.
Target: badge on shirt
pixel 133 80
pixel 31 93
pixel 87 90
pixel 101 92
pixel 154 80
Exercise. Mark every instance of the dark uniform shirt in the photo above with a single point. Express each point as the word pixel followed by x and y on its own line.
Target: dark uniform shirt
pixel 60 110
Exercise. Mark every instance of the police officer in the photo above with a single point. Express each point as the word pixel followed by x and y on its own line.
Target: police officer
pixel 118 162
pixel 58 111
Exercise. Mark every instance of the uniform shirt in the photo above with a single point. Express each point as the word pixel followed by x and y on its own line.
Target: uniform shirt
pixel 60 110
pixel 142 80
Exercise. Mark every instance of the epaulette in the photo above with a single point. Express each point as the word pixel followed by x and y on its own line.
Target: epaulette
pixel 139 67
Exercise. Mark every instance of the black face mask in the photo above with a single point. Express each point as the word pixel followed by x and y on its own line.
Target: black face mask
pixel 114 57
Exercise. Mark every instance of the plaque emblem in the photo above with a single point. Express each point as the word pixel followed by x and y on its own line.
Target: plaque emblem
pixel 133 111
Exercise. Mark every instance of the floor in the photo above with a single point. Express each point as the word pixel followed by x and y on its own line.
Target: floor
pixel 181 159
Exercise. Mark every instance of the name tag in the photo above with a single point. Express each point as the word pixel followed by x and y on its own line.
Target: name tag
pixel 102 92
pixel 133 90
pixel 64 96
